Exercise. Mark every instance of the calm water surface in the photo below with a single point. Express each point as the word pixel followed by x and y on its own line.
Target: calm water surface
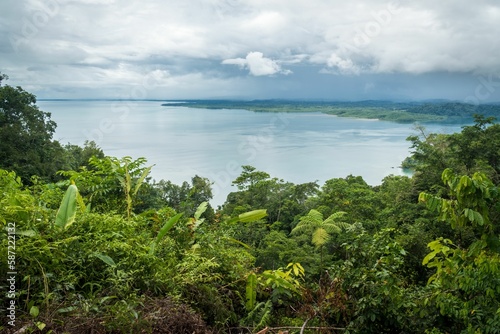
pixel 183 142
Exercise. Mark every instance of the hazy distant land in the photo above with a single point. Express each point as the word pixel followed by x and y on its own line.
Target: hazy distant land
pixel 401 112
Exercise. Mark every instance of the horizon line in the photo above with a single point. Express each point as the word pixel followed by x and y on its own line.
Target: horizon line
pixel 434 101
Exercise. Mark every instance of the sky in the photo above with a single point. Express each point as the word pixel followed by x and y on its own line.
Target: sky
pixel 253 49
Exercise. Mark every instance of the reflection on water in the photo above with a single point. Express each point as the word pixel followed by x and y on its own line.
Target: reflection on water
pixel 183 142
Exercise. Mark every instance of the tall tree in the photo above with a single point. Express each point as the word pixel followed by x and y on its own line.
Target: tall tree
pixel 475 148
pixel 26 144
pixel 320 229
pixel 478 146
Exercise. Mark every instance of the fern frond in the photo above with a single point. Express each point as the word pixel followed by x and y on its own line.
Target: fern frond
pixel 331 227
pixel 334 217
pixel 315 215
pixel 320 237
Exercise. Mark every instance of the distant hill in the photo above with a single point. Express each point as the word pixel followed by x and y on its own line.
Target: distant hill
pixel 456 109
pixel 402 112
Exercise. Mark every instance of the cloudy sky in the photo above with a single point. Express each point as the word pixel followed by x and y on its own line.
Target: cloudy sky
pixel 251 49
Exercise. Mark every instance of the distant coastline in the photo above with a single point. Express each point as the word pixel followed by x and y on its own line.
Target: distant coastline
pixel 399 112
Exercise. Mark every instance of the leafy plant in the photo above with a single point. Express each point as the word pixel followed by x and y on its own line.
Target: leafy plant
pixel 131 188
pixel 465 285
pixel 163 231
pixel 251 291
pixel 320 229
pixel 67 210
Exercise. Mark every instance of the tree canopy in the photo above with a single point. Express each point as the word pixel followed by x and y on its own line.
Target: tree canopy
pixel 100 247
pixel 26 132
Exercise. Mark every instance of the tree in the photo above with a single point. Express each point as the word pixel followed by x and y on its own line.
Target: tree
pixel 186 197
pixel 284 201
pixel 373 279
pixel 351 195
pixel 26 144
pixel 478 146
pixel 3 77
pixel 111 184
pixel 430 156
pixel 77 157
pixel 465 286
pixel 249 177
pixel 475 148
pixel 320 229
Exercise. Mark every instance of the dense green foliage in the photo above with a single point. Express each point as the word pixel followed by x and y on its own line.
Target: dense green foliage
pixel 26 144
pixel 99 247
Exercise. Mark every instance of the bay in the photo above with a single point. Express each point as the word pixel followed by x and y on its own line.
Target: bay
pixel 183 142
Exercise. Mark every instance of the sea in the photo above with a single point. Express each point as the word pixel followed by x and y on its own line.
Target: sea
pixel 183 142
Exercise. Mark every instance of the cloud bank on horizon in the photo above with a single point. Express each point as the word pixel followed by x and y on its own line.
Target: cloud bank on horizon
pixel 327 49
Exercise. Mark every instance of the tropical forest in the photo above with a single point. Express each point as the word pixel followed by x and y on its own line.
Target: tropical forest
pixel 91 243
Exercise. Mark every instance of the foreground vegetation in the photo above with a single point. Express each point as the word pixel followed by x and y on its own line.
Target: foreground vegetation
pixel 401 112
pixel 100 248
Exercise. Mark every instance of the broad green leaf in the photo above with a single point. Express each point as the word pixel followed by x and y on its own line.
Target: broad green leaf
pixel 106 259
pixel 478 218
pixel 144 174
pixel 294 268
pixel 67 210
pixel 429 257
pixel 251 292
pixel 252 216
pixel 422 197
pixel 298 270
pixel 167 227
pixel 199 211
pixel 436 245
pixel 34 311
pixel 238 242
pixel 163 231
pixel 40 325
pixel 447 175
pixel 469 214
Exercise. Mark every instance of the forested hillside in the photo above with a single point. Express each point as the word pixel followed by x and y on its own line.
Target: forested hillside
pixel 90 244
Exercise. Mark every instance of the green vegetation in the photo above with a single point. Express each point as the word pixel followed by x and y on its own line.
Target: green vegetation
pixel 392 115
pixel 410 112
pixel 100 248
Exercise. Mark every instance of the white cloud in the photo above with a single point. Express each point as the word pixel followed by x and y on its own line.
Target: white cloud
pixel 265 22
pixel 257 64
pixel 91 37
pixel 343 66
